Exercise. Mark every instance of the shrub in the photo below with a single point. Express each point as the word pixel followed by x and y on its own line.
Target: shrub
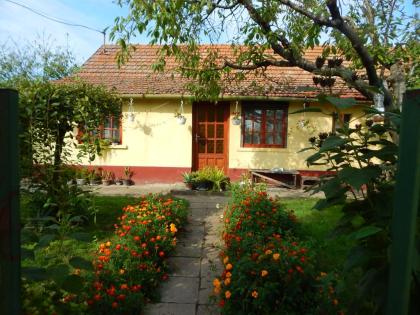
pixel 266 269
pixel 207 178
pixel 129 267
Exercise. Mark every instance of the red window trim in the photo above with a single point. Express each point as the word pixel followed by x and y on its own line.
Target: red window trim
pixel 264 106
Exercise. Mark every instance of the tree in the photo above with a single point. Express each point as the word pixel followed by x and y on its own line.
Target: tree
pixel 38 60
pixel 374 35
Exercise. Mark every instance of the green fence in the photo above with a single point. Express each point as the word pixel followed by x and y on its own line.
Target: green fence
pixel 9 204
pixel 406 205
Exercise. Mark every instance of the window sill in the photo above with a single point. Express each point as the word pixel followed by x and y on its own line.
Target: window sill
pixel 278 150
pixel 118 147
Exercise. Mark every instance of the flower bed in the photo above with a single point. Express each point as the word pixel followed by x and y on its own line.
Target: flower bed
pixel 129 267
pixel 266 269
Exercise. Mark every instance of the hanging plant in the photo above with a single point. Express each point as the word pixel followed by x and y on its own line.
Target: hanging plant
pixel 179 115
pixel 236 119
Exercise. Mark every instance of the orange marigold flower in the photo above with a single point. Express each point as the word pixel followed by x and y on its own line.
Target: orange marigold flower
pixel 216 282
pixel 335 302
pixel 108 244
pixel 122 271
pixel 114 305
pixel 228 294
pixel 216 290
pixel 264 273
pixel 268 252
pixel 229 267
pixel 254 294
pixel 227 281
pixel 228 275
pixel 225 260
pixel 173 228
pixel 276 256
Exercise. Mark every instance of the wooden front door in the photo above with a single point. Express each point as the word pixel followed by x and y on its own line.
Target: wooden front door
pixel 210 135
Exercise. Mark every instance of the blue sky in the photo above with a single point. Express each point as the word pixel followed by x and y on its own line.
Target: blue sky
pixel 19 25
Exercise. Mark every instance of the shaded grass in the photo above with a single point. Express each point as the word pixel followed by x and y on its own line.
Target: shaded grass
pixel 331 251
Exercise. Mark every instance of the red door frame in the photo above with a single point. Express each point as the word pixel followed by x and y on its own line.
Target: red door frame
pixel 225 134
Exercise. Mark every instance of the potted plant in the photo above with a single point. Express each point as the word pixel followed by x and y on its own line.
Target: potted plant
pixel 236 119
pixel 82 176
pixel 128 173
pixel 94 177
pixel 190 179
pixel 180 118
pixel 107 178
pixel 119 181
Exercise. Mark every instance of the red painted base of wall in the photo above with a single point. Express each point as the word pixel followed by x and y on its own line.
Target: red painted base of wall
pixel 158 174
pixel 149 174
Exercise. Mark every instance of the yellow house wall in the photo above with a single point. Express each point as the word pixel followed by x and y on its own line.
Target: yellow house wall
pixel 297 139
pixel 154 138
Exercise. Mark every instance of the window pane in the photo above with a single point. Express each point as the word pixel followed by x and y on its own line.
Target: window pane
pixel 219 131
pixel 278 139
pixel 107 134
pixel 279 126
pixel 248 125
pixel 269 139
pixel 116 135
pixel 257 126
pixel 115 123
pixel 210 131
pixel 201 146
pixel 256 138
pixel 270 114
pixel 107 123
pixel 202 130
pixel 219 146
pixel 269 125
pixel 210 146
pixel 247 139
pixel 279 114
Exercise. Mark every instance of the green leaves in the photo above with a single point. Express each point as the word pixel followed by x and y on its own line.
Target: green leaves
pixel 356 177
pixel 364 232
pixel 72 284
pixel 80 263
pixel 332 142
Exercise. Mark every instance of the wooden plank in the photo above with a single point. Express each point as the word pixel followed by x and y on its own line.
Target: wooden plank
pixel 277 182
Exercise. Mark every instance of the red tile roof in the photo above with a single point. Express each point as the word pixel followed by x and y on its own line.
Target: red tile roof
pixel 136 77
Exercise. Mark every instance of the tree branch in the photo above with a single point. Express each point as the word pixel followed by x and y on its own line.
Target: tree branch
pixel 316 19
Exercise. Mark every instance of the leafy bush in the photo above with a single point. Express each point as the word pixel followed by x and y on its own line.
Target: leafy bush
pixel 129 267
pixel 267 271
pixel 207 178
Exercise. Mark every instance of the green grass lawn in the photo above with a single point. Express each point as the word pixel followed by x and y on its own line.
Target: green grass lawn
pixel 331 251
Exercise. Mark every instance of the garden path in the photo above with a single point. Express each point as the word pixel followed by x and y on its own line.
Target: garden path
pixel 195 262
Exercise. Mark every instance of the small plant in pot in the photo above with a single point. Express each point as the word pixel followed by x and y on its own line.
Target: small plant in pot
pixel 180 118
pixel 128 173
pixel 236 119
pixel 94 177
pixel 82 175
pixel 119 181
pixel 190 179
pixel 107 178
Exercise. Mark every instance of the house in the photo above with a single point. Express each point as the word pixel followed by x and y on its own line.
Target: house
pixel 157 148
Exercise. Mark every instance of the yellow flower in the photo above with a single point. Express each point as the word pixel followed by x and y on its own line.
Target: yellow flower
pixel 229 267
pixel 122 271
pixel 264 273
pixel 276 256
pixel 76 272
pixel 108 244
pixel 323 274
pixel 225 260
pixel 228 275
pixel 173 228
pixel 268 252
pixel 228 294
pixel 216 283
pixel 254 294
pixel 227 281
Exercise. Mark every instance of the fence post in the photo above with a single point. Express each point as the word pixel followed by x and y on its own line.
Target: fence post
pixel 9 204
pixel 406 202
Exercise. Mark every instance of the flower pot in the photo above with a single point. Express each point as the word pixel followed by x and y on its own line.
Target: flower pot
pixel 181 120
pixel 80 181
pixel 236 121
pixel 106 182
pixel 118 182
pixel 127 182
pixel 93 182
